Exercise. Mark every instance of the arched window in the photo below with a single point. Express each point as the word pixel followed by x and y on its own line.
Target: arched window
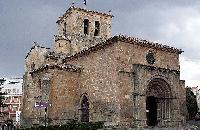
pixel 84 109
pixel 86 26
pixel 97 28
pixel 40 84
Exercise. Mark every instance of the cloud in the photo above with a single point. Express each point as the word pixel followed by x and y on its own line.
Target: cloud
pixel 190 71
pixel 171 22
pixel 181 27
pixel 174 25
pixel 21 25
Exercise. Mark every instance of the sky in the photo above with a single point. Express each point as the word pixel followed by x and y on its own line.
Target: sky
pixel 171 22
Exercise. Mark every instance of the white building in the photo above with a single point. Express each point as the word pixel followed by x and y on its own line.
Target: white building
pixel 12 86
pixel 13 89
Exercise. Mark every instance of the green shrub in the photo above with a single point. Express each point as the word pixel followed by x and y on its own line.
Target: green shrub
pixel 72 126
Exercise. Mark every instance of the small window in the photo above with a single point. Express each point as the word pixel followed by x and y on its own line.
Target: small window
pixel 97 28
pixel 65 28
pixel 86 26
pixel 5 109
pixel 40 84
pixel 14 108
pixel 8 91
pixel 33 66
pixel 15 99
pixel 14 90
pixel 59 44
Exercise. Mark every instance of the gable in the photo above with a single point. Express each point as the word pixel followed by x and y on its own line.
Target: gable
pixel 35 47
pixel 35 57
pixel 133 50
pixel 130 40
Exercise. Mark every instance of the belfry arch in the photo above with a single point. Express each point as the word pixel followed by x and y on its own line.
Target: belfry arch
pixel 158 102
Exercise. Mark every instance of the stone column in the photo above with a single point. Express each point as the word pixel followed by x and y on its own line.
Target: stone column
pixel 141 118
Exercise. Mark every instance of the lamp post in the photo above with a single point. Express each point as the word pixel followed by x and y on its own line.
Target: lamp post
pixel 45 118
pixel 43 105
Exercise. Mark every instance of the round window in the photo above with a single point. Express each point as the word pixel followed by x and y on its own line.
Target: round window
pixel 150 58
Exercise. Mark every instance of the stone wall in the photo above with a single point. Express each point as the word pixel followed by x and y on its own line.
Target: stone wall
pixel 64 96
pixel 99 80
pixel 35 91
pixel 129 54
pixel 34 60
pixel 75 43
pixel 107 77
pixel 62 45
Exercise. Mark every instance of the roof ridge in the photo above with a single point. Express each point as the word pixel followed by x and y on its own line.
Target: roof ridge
pixel 148 43
pixel 81 9
pixel 36 45
pixel 127 39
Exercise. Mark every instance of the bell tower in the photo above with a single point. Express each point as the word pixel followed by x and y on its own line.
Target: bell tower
pixel 79 29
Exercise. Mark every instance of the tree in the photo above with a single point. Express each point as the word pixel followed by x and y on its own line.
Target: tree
pixel 191 103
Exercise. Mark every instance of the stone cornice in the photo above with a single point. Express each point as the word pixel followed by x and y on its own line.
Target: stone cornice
pixel 65 67
pixel 154 68
pixel 82 10
pixel 59 37
pixel 56 56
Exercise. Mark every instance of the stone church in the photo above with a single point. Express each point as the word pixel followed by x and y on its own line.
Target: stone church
pixel 90 75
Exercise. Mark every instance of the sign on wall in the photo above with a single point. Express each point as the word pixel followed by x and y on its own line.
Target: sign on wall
pixel 18 116
pixel 42 104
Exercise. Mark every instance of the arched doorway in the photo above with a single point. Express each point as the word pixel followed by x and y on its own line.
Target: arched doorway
pixel 84 109
pixel 158 102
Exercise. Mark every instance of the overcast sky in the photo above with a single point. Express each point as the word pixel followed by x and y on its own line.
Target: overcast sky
pixel 171 22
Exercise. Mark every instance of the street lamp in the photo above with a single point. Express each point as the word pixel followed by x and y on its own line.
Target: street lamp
pixel 45 117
